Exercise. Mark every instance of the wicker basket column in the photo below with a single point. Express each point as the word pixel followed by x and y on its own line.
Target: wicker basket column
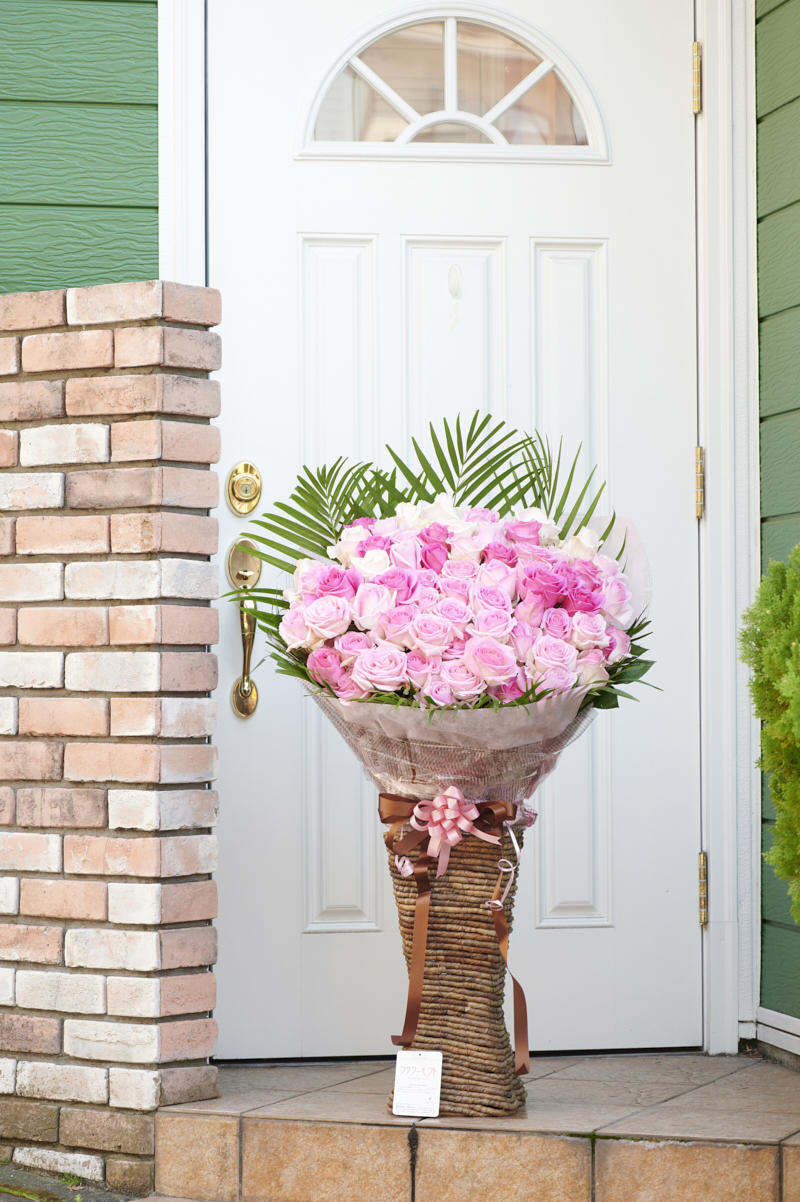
pixel 461 1014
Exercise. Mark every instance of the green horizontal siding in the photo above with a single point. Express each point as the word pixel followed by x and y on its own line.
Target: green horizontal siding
pixel 778 153
pixel 78 142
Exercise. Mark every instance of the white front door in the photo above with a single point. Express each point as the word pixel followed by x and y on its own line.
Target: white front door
pixel 530 254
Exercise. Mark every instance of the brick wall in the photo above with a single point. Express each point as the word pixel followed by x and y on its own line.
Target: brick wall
pixel 105 810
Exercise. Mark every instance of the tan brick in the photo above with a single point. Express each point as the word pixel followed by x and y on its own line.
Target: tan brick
pixel 9 448
pixel 8 627
pixel 63 627
pixel 156 346
pixel 188 1084
pixel 50 1160
pixel 114 488
pixel 32 310
pixel 190 994
pixel 161 809
pixel 62 1082
pixel 189 764
pixel 112 671
pixel 193 901
pixel 31 581
pixel 131 951
pixel 193 1039
pixel 79 443
pixel 129 762
pixel 9 899
pixel 134 533
pixel 120 395
pixel 188 855
pixel 7 806
pixel 132 716
pixel 134 903
pixel 134 997
pixel 188 488
pixel 31 669
pixel 25 1033
pixel 31 490
pixel 188 671
pixel 30 852
pixel 107 1131
pixel 7 535
pixel 61 807
pixel 127 580
pixel 28 1120
pixel 62 535
pixel 99 855
pixel 30 761
pixel 188 948
pixel 9 356
pixel 67 352
pixel 133 1177
pixel 63 899
pixel 31 400
pixel 63 716
pixel 8 716
pixel 101 303
pixel 183 442
pixel 72 992
pixel 191 304
pixel 134 624
pixel 182 578
pixel 134 1088
pixel 40 945
pixel 187 717
pixel 175 624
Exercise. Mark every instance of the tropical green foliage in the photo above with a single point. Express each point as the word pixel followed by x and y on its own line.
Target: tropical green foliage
pixel 770 643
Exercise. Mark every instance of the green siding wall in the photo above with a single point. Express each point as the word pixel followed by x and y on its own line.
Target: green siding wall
pixel 78 142
pixel 778 149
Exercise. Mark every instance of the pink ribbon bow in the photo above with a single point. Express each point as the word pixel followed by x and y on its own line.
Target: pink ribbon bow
pixel 446 819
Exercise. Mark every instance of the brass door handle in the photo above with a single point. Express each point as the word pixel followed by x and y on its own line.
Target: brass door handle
pixel 245 694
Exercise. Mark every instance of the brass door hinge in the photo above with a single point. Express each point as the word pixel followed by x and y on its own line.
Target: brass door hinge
pixel 702 888
pixel 697 78
pixel 699 482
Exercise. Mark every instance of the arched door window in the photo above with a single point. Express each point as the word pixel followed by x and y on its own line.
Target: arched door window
pixel 456 82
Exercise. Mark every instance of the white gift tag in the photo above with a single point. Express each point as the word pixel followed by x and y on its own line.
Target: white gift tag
pixel 417 1084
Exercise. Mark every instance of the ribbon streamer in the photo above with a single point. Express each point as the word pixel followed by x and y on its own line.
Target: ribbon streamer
pixel 443 823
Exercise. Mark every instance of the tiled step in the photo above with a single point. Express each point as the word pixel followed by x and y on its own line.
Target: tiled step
pixel 664 1128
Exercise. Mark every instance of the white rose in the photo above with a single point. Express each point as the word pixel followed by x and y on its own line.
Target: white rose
pixel 372 564
pixel 443 510
pixel 347 545
pixel 584 544
pixel 408 516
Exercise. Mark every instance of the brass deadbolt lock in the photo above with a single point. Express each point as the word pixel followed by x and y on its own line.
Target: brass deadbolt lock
pixel 244 487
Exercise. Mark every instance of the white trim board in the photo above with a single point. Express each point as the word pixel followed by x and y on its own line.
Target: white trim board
pixel 182 141
pixel 727 428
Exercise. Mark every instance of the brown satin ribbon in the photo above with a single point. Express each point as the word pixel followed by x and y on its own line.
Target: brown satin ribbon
pixel 394 812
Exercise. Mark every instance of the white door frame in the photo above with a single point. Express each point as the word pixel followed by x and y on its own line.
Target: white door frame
pixel 727 429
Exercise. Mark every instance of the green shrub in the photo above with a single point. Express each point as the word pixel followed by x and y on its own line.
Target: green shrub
pixel 770 644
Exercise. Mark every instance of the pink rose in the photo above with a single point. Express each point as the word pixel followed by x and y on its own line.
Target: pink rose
pixel 587 573
pixel 531 610
pixel 591 668
pixel 541 579
pixel 522 636
pixel 347 689
pixel 450 586
pixel 557 622
pixel 462 683
pixel 617 601
pixel 455 650
pixel 513 690
pixel 375 542
pixel 524 535
pixel 460 569
pixel 386 527
pixel 325 666
pixel 426 578
pixel 579 597
pixel 495 623
pixel 348 645
pixel 419 667
pixel 307 576
pixel 435 534
pixel 438 692
pixel 328 616
pixel 456 611
pixel 464 549
pixel 405 553
pixel 502 552
pixel 588 630
pixel 499 574
pixel 430 633
pixel 493 662
pixel 369 603
pixel 478 514
pixel 401 581
pixel 339 582
pixel 489 596
pixel 548 652
pixel 396 623
pixel 556 680
pixel 434 557
pixel 619 645
pixel 382 668
pixel 293 629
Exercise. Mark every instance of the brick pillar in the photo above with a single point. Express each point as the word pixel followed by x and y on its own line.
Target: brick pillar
pixel 105 622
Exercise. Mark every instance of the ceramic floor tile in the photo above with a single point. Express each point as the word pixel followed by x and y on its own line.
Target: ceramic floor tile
pixel 554 1118
pixel 380 1083
pixel 296 1077
pixel 541 1066
pixel 629 1094
pixel 722 1126
pixel 675 1067
pixel 760 1086
pixel 197 1156
pixel 232 1101
pixel 790 1153
pixel 461 1166
pixel 334 1106
pixel 646 1172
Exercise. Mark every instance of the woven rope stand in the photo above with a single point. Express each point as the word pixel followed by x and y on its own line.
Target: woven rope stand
pixel 461 1014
